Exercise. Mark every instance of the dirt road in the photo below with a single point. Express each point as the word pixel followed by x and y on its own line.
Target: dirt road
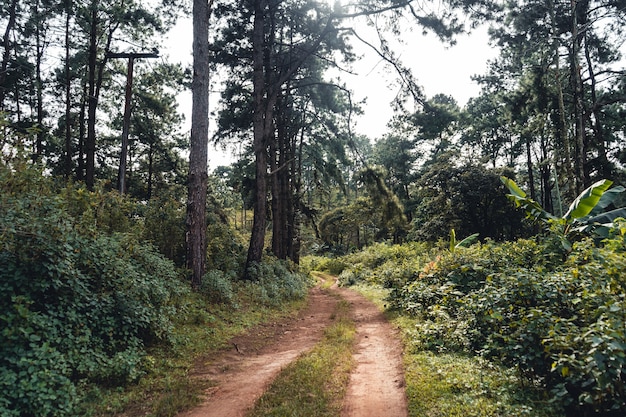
pixel 376 387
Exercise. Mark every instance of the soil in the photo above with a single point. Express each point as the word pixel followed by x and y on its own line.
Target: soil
pixel 240 376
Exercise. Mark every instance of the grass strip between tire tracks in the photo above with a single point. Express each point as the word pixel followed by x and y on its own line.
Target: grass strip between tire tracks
pixel 315 384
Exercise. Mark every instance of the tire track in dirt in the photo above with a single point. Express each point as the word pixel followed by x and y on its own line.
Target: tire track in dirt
pixel 241 375
pixel 244 373
pixel 376 387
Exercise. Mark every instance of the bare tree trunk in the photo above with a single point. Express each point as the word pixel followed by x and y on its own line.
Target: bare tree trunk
pixel 92 100
pixel 579 111
pixel 603 164
pixel 80 163
pixel 68 92
pixel 529 165
pixel 96 72
pixel 259 121
pixel 150 169
pixel 38 84
pixel 6 55
pixel 198 156
pixel 282 202
pixel 562 143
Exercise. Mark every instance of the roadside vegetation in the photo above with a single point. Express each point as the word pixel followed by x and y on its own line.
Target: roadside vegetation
pixel 121 261
pixel 515 328
pixel 95 320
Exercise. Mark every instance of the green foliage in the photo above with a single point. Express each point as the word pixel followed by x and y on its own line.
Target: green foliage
pixel 225 250
pixel 164 227
pixel 463 243
pixel 78 305
pixel 388 265
pixel 561 325
pixel 333 266
pixel 218 288
pixel 378 216
pixel 585 214
pixel 465 198
pixel 274 282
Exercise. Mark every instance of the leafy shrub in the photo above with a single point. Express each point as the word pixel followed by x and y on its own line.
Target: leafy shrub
pixel 77 305
pixel 450 276
pixel 224 250
pixel 274 282
pixel 164 227
pixel 560 324
pixel 218 288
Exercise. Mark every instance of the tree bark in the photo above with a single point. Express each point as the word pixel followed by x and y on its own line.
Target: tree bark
pixel 68 94
pixel 579 111
pixel 38 84
pixel 198 156
pixel 92 100
pixel 95 77
pixel 259 120
pixel 602 161
pixel 6 55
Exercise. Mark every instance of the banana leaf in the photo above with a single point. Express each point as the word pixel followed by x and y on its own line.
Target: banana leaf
pixel 532 208
pixel 607 199
pixel 587 200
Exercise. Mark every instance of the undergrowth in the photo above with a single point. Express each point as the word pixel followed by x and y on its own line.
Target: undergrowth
pixel 456 384
pixel 94 319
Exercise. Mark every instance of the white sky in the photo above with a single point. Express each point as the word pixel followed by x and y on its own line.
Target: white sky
pixel 438 68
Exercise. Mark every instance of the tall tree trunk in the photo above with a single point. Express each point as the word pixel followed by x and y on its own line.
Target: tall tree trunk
pixel 529 166
pixel 579 110
pixel 38 84
pixel 198 156
pixel 544 172
pixel 150 168
pixel 282 204
pixel 80 152
pixel 277 209
pixel 294 212
pixel 68 94
pixel 6 55
pixel 92 99
pixel 95 78
pixel 259 120
pixel 603 164
pixel 562 143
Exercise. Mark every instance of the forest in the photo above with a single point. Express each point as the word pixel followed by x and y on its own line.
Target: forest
pixel 496 227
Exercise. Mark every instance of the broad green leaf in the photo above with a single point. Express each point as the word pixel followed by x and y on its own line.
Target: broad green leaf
pixel 513 187
pixel 608 217
pixel 587 200
pixel 468 241
pixel 607 198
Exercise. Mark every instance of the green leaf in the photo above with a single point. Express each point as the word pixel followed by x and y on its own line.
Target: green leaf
pixel 607 198
pixel 532 208
pixel 452 240
pixel 468 241
pixel 587 200
pixel 607 217
pixel 513 187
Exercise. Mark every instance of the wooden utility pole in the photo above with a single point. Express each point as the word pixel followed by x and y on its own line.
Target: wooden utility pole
pixel 121 177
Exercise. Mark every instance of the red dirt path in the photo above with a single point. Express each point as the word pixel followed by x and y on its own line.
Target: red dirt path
pixel 240 376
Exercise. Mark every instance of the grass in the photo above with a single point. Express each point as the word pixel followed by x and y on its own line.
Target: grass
pixel 458 385
pixel 325 281
pixel 315 384
pixel 167 389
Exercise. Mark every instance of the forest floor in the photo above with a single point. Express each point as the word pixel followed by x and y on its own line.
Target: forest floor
pixel 241 375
